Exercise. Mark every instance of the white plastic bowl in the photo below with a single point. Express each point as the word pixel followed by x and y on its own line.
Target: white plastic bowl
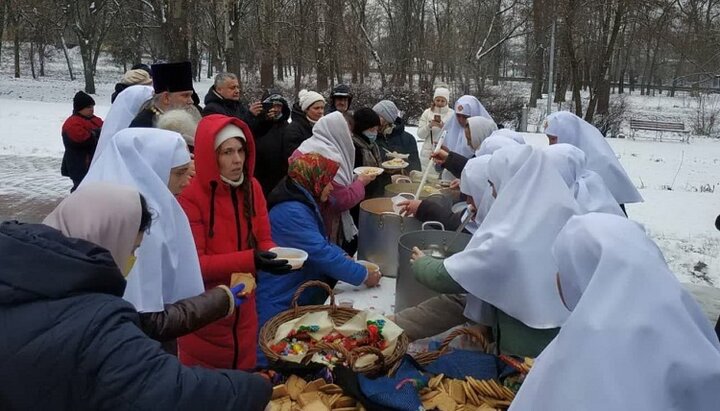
pixel 295 257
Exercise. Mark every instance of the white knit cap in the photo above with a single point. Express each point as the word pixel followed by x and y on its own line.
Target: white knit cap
pixel 442 92
pixel 137 76
pixel 387 110
pixel 308 98
pixel 228 132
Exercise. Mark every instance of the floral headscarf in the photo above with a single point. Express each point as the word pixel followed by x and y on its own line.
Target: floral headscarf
pixel 313 172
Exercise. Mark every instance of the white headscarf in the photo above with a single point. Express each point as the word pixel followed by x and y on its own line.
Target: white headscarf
pixel 455 140
pixel 474 182
pixel 480 129
pixel 332 139
pixel 514 135
pixel 636 340
pixel 121 114
pixel 167 267
pixel 587 186
pixel 571 129
pixel 508 262
pixel 494 143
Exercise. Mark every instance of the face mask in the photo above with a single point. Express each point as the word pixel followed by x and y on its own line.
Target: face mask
pixel 129 265
pixel 372 136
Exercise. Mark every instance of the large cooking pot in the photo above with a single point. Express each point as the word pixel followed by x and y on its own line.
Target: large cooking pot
pixel 409 292
pixel 391 190
pixel 378 233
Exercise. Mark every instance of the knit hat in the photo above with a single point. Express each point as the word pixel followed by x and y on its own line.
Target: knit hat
pixel 364 119
pixel 442 92
pixel 137 76
pixel 172 77
pixel 308 98
pixel 228 132
pixel 82 100
pixel 387 110
pixel 313 172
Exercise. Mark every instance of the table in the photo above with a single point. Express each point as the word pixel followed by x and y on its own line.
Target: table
pixel 380 299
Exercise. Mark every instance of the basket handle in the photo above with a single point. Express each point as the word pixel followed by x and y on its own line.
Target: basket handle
pixel 359 352
pixel 323 346
pixel 308 284
pixel 463 332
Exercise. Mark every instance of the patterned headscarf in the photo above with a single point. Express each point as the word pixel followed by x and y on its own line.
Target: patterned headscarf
pixel 313 172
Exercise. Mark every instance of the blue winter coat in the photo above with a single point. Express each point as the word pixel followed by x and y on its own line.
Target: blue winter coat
pixel 296 222
pixel 68 341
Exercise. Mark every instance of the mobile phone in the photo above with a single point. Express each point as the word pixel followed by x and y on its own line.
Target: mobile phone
pixel 437 118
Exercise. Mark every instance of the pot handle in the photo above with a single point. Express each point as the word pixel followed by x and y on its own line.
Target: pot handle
pixel 433 223
pixel 402 179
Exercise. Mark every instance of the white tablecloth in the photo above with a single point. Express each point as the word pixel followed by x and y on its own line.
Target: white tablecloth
pixel 380 299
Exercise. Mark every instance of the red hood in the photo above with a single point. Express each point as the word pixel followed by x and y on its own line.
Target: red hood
pixel 205 157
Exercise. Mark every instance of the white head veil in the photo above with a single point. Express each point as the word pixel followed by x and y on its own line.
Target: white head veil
pixel 480 129
pixel 514 135
pixel 121 114
pixel 332 139
pixel 494 143
pixel 455 140
pixel 636 340
pixel 587 186
pixel 571 129
pixel 167 267
pixel 508 262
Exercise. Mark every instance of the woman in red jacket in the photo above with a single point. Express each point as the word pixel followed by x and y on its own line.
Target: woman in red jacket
pixel 229 221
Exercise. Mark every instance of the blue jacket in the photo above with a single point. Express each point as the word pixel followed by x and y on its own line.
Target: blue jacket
pixel 68 341
pixel 296 222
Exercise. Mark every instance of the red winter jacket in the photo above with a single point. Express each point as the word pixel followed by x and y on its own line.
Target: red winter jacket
pixel 212 206
pixel 80 136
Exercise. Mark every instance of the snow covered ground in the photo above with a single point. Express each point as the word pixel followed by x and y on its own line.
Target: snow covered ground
pixel 678 181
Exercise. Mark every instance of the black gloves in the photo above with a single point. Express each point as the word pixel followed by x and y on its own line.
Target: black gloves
pixel 265 261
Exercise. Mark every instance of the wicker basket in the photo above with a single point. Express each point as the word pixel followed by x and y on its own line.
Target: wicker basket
pixel 491 389
pixel 339 315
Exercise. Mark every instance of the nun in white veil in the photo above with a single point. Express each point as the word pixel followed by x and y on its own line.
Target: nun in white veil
pixel 465 107
pixel 167 267
pixel 636 340
pixel 566 127
pixel 495 142
pixel 121 114
pixel 507 262
pixel 587 186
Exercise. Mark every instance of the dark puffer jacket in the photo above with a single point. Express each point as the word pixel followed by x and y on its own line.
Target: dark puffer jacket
pixel 271 163
pixel 299 130
pixel 80 136
pixel 70 342
pixel 402 142
pixel 216 104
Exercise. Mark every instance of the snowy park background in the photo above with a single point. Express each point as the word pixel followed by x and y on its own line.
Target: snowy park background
pixel 680 182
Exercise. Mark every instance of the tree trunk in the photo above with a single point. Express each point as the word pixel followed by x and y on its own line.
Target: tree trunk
pixel 3 15
pixel 267 77
pixel 538 64
pixel 568 41
pixel 87 67
pixel 16 47
pixel 67 57
pixel 41 56
pixel 678 69
pixel 176 31
pixel 32 60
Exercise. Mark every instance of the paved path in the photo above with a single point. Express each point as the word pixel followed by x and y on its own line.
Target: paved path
pixel 30 187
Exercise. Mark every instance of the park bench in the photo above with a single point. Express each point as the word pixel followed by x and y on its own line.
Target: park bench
pixel 660 127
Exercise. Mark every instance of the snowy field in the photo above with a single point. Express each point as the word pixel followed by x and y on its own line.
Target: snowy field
pixel 674 178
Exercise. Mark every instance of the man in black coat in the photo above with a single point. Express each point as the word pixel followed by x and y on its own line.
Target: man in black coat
pixel 223 97
pixel 70 342
pixel 173 87
pixel 340 99
pixel 271 164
